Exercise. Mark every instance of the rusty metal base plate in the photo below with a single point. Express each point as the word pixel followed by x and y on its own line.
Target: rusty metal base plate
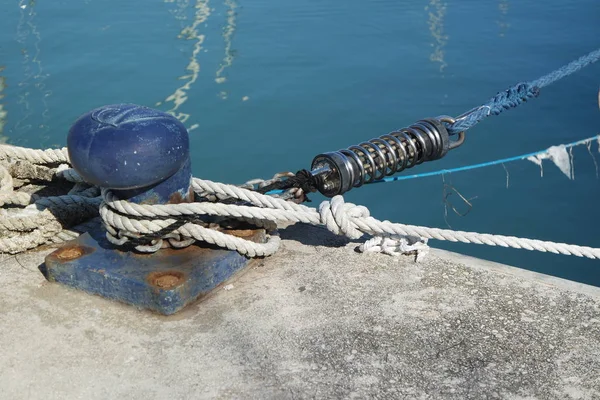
pixel 165 281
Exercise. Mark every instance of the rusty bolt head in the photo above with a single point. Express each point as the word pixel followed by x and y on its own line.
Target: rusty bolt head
pixel 166 279
pixel 70 253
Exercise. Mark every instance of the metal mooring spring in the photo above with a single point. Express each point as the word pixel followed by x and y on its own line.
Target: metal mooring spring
pixel 339 171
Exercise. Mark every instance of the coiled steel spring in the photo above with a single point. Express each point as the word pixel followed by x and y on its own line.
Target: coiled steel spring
pixel 426 140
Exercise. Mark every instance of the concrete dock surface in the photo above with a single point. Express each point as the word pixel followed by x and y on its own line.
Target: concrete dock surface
pixel 318 320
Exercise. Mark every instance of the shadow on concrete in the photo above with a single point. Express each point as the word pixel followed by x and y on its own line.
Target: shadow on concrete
pixel 315 236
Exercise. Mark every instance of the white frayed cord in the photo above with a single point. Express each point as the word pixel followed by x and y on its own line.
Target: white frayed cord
pixel 396 247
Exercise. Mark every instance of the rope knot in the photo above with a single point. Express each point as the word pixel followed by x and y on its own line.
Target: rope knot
pixel 338 216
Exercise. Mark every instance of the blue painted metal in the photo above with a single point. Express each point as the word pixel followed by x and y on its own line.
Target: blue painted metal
pixel 141 153
pixel 143 156
pixel 175 189
pixel 165 281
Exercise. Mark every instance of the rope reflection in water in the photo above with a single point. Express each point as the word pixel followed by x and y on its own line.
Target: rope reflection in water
pixel 29 39
pixel 190 32
pixel 228 32
pixel 3 112
pixel 502 23
pixel 437 12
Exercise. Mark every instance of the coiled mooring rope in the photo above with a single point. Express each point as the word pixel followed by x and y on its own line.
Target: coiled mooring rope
pixel 48 219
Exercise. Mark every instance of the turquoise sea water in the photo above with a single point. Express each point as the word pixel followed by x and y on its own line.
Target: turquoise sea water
pixel 264 86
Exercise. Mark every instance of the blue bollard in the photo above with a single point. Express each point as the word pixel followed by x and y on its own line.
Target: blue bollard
pixel 142 155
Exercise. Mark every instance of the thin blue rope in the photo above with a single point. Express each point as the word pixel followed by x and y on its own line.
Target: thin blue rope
pixel 482 165
pixel 470 167
pixel 510 98
pixel 518 94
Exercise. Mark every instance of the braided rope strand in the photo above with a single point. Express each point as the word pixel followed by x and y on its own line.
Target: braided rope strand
pixel 339 217
pixel 35 156
pixel 519 93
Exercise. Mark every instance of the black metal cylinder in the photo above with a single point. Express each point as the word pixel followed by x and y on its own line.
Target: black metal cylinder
pixel 339 171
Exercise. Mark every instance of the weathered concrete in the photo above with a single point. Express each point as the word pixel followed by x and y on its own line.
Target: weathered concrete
pixel 317 320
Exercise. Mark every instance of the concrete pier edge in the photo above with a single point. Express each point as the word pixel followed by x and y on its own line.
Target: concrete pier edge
pixel 316 320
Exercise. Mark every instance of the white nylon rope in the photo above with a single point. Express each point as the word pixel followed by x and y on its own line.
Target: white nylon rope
pixel 37 223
